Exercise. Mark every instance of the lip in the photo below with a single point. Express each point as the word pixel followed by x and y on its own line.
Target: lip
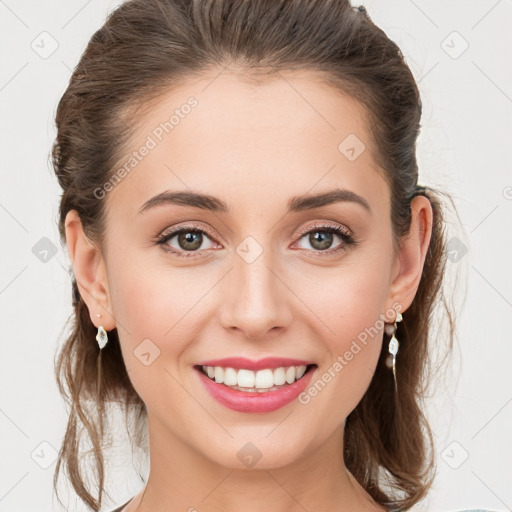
pixel 268 362
pixel 242 401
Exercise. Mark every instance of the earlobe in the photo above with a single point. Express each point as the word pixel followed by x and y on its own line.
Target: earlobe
pixel 90 271
pixel 412 252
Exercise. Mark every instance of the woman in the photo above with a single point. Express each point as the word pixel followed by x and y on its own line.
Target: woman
pixel 255 263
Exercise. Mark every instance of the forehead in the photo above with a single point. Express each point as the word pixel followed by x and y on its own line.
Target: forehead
pixel 247 142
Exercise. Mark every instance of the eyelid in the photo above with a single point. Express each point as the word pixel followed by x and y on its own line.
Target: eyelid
pixel 322 225
pixel 187 225
pixel 303 231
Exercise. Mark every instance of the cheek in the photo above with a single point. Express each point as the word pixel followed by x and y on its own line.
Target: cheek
pixel 350 301
pixel 149 297
pixel 151 321
pixel 352 318
pixel 154 315
pixel 160 311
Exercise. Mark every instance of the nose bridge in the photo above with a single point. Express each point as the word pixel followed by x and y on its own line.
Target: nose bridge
pixel 257 298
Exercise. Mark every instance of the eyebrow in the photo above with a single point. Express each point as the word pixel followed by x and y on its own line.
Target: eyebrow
pixel 214 204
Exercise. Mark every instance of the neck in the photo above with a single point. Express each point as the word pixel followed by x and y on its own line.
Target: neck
pixel 183 479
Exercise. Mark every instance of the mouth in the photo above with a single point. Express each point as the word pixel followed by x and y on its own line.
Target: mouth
pixel 255 381
pixel 261 390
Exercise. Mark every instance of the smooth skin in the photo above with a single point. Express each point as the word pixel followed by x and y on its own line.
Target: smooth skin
pixel 254 146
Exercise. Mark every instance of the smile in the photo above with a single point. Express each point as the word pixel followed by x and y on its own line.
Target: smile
pixel 248 390
pixel 255 381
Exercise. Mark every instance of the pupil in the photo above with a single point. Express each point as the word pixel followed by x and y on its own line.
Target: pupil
pixel 320 239
pixel 190 240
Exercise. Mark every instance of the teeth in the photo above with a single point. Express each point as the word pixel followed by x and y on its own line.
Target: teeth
pixel 263 380
pixel 230 377
pixel 279 376
pixel 301 370
pixel 290 374
pixel 245 378
pixel 219 375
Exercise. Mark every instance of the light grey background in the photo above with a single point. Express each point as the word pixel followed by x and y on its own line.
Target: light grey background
pixel 464 148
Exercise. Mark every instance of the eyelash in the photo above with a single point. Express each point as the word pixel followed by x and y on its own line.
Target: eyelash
pixel 348 239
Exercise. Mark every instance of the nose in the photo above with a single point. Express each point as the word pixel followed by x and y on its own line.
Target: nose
pixel 257 298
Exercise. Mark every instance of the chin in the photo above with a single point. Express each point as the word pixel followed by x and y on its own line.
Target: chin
pixel 257 453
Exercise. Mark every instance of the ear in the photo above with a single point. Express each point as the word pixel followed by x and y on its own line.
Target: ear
pixel 90 272
pixel 412 252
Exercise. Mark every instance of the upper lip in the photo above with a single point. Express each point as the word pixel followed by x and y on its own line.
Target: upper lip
pixel 268 362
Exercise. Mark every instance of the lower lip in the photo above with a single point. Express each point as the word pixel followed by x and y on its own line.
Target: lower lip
pixel 267 401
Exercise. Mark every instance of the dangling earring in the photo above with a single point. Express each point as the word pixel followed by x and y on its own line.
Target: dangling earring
pixel 101 337
pixel 393 344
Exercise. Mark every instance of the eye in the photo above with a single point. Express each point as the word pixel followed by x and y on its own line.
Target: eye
pixel 189 239
pixel 322 236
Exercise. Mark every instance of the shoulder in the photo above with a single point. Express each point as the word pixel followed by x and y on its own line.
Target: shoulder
pixel 120 509
pixel 460 510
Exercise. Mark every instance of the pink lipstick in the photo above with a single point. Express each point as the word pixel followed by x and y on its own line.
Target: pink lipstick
pixel 253 400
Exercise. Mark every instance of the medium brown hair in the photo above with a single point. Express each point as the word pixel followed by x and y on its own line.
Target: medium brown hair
pixel 147 47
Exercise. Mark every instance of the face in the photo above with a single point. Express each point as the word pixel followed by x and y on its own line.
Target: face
pixel 261 271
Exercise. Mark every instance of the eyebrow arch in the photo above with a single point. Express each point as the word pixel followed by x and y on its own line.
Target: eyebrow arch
pixel 309 202
pixel 295 204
